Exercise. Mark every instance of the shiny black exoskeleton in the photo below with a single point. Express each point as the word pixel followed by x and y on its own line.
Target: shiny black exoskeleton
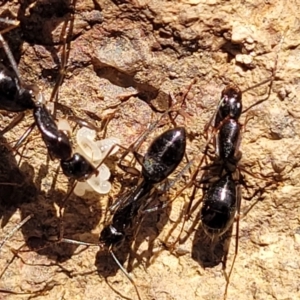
pixel 227 144
pixel 13 96
pixel 56 141
pixel 229 128
pixel 16 98
pixel 78 167
pixel 230 105
pixel 221 200
pixel 163 156
pixel 59 146
pixel 219 206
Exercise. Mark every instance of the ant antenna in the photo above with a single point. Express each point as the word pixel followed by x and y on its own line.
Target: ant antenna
pixel 8 236
pixel 271 80
pixel 15 230
pixel 64 57
pixel 74 242
pixel 125 273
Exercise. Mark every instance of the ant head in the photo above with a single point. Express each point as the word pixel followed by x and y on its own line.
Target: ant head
pixel 230 104
pixel 77 167
pixel 111 238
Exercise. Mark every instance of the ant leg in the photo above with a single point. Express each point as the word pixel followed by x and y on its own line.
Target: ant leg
pixel 199 166
pixel 49 243
pixel 171 182
pixel 12 232
pixel 125 273
pixel 191 183
pixel 71 116
pixel 66 42
pixel 173 104
pixel 259 192
pixel 24 137
pixel 84 123
pixel 13 24
pixel 129 169
pixel 186 214
pixel 271 80
pixel 62 210
pixel 138 157
pixel 8 236
pixel 190 209
pixel 113 207
pixel 227 276
pixel 13 123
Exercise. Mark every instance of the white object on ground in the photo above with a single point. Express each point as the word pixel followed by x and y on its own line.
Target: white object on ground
pixel 95 151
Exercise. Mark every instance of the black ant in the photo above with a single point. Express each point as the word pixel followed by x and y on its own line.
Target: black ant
pixel 222 178
pixel 17 97
pixel 161 159
pixel 222 199
pixel 226 131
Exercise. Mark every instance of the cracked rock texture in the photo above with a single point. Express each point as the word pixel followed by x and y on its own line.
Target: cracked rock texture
pixel 124 59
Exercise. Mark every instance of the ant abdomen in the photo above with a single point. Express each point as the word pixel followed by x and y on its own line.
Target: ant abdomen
pixel 13 97
pixel 219 206
pixel 164 154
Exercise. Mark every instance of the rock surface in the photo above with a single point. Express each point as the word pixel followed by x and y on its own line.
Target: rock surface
pixel 124 59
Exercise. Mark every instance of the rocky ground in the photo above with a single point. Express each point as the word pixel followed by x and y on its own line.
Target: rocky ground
pixel 124 59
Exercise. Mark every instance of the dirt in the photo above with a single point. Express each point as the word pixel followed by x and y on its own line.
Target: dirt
pixel 125 58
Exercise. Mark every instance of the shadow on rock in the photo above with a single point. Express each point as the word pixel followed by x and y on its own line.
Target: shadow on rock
pixel 207 252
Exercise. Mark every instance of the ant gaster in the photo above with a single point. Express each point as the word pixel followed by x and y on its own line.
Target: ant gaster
pixel 219 206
